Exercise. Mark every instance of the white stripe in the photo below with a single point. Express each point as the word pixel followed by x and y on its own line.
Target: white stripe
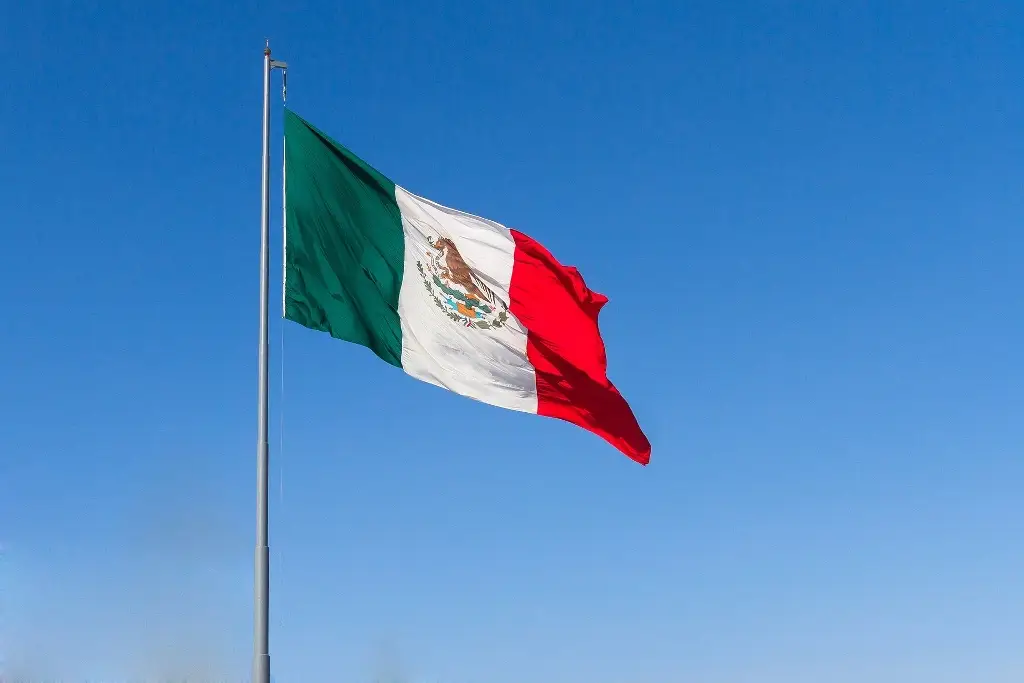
pixel 284 228
pixel 489 365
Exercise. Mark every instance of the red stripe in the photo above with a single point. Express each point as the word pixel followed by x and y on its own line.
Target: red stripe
pixel 566 348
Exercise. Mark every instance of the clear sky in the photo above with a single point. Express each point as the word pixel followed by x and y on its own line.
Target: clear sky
pixel 807 216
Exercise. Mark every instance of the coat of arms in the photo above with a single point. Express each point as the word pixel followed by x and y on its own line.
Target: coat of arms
pixel 456 289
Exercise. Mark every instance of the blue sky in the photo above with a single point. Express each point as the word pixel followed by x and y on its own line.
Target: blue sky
pixel 807 216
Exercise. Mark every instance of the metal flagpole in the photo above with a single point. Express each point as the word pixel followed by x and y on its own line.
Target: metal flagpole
pixel 261 639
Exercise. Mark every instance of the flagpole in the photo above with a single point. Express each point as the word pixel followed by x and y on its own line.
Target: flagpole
pixel 261 639
pixel 261 636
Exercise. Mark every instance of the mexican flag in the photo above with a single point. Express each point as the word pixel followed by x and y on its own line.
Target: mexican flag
pixel 452 299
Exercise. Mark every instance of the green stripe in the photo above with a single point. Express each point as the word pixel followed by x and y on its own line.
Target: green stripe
pixel 345 246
